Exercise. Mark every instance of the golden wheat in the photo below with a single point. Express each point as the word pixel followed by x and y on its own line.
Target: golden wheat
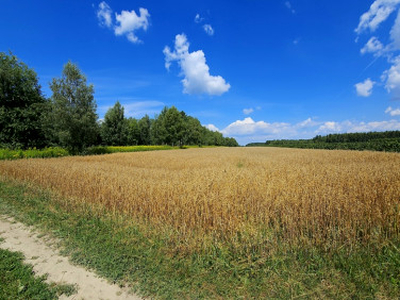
pixel 315 195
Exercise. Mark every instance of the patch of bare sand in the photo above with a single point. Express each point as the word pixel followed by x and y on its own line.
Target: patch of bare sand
pixel 47 260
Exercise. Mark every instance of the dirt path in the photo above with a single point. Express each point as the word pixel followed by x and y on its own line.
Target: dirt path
pixel 46 260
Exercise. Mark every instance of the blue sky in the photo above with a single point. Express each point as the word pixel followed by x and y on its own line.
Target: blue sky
pixel 254 70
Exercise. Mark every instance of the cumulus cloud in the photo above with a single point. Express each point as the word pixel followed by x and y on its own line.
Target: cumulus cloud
pixel 348 126
pixel 194 68
pixel 248 111
pixel 392 78
pixel 129 22
pixel 364 89
pixel 379 11
pixel 208 29
pixel 249 130
pixel 248 127
pixel 393 112
pixel 211 127
pixel 373 46
pixel 126 23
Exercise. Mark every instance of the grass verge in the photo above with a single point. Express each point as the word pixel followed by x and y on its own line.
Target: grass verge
pixel 96 150
pixel 150 261
pixel 18 281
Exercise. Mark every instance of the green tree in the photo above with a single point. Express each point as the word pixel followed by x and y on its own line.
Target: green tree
pixel 133 133
pixel 144 125
pixel 74 109
pixel 114 127
pixel 174 127
pixel 22 105
pixel 158 132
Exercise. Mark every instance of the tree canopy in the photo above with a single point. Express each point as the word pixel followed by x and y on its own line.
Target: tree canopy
pixel 69 119
pixel 74 109
pixel 22 105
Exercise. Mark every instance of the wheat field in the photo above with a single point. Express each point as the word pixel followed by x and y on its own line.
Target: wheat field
pixel 317 196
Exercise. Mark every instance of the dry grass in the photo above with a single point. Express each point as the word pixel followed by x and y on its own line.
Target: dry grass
pixel 310 196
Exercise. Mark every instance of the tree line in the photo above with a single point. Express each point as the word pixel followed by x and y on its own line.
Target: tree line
pixel 377 141
pixel 69 119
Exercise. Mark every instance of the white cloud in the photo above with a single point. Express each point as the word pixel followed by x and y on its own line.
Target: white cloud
pixel 198 19
pixel 393 112
pixel 392 78
pixel 126 23
pixel 364 89
pixel 248 127
pixel 373 46
pixel 193 65
pixel 248 111
pixel 104 15
pixel 208 29
pixel 395 33
pixel 129 22
pixel 379 11
pixel 289 6
pixel 211 127
pixel 307 123
pixel 136 109
pixel 248 130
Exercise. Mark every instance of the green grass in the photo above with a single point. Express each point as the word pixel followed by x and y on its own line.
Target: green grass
pixel 18 281
pixel 151 261
pixel 96 150
pixel 32 153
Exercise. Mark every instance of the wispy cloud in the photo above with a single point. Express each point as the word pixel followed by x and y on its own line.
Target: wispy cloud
pixel 393 112
pixel 195 69
pixel 104 15
pixel 208 29
pixel 136 109
pixel 198 19
pixel 248 111
pixel 290 7
pixel 126 23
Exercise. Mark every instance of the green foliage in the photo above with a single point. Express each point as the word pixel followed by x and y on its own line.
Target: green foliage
pixel 33 153
pixel 257 267
pixel 69 118
pixel 114 127
pixel 388 141
pixel 22 105
pixel 96 150
pixel 74 110
pixel 17 281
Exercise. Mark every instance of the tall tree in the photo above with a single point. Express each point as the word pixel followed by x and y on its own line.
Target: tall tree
pixel 144 130
pixel 133 133
pixel 114 128
pixel 74 109
pixel 22 105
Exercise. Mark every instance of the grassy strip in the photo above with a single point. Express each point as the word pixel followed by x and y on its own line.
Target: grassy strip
pixel 115 149
pixel 17 280
pixel 32 153
pixel 125 252
pixel 96 150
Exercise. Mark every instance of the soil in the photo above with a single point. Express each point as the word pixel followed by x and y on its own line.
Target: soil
pixel 41 252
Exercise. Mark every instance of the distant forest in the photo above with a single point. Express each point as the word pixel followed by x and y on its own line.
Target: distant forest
pixel 376 141
pixel 69 118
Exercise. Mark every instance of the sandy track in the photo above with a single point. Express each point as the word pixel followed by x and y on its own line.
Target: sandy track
pixel 46 260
